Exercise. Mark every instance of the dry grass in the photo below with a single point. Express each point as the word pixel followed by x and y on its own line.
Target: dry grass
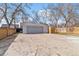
pixel 69 34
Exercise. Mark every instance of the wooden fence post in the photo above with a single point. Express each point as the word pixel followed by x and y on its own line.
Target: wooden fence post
pixel 50 30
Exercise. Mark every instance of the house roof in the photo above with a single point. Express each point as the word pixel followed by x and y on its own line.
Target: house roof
pixel 25 23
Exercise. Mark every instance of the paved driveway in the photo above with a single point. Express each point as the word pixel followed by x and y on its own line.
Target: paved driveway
pixel 5 43
pixel 43 45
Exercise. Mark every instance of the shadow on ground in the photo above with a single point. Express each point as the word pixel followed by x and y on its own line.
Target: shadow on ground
pixel 5 43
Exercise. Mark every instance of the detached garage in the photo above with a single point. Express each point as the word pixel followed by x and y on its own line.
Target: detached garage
pixel 30 28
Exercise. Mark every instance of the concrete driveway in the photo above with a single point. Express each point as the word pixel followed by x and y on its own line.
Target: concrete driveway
pixel 5 43
pixel 43 45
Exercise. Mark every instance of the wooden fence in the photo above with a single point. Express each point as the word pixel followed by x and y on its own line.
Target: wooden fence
pixel 4 32
pixel 74 30
pixel 51 30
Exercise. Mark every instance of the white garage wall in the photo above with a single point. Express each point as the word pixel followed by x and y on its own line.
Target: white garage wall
pixel 45 29
pixel 27 25
pixel 34 29
pixel 24 29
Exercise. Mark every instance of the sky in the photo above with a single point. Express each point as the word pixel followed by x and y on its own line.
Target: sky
pixel 34 7
pixel 37 7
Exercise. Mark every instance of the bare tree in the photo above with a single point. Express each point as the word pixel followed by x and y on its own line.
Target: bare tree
pixel 35 17
pixel 11 11
pixel 1 14
pixel 65 12
pixel 54 15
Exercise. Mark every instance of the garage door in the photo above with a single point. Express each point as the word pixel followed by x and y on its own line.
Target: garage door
pixel 34 29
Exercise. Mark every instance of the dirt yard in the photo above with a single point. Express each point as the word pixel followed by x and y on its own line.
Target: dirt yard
pixel 41 45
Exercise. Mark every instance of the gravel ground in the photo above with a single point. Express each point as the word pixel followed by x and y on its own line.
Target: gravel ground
pixel 42 45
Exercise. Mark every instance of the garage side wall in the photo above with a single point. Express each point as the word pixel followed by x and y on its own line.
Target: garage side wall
pixel 24 29
pixel 45 29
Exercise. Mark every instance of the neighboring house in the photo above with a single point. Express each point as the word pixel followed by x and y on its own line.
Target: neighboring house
pixel 11 26
pixel 31 28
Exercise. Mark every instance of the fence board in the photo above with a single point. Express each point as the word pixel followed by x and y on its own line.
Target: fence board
pixel 4 32
pixel 74 30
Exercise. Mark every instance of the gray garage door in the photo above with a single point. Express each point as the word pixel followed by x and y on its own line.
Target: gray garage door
pixel 34 29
